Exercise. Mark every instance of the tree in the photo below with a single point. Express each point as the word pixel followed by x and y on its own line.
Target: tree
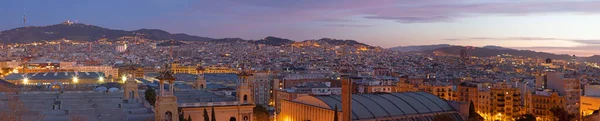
pixel 150 95
pixel 181 115
pixel 15 109
pixel 260 113
pixel 212 117
pixel 77 118
pixel 473 115
pixel 335 113
pixel 205 115
pixel 443 117
pixel 561 114
pixel 525 117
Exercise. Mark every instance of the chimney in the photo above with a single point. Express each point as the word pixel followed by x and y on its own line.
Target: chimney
pixel 346 98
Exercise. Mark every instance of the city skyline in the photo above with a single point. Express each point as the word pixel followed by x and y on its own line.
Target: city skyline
pixel 562 27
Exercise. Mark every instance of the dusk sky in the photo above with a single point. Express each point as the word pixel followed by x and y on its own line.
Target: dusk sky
pixel 565 27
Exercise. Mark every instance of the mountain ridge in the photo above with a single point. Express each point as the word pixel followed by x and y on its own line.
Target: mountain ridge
pixel 85 32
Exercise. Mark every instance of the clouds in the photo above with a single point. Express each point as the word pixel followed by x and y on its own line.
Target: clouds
pixel 541 39
pixel 449 11
pixel 348 25
pixel 588 50
pixel 420 11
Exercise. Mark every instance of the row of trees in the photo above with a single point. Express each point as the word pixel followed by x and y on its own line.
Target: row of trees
pixel 559 113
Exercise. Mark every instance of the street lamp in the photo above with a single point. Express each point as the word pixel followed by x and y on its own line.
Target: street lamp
pixel 124 78
pixel 25 80
pixel 75 79
pixel 101 79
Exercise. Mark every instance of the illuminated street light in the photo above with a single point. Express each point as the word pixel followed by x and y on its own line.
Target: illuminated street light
pixel 124 78
pixel 75 79
pixel 25 80
pixel 101 79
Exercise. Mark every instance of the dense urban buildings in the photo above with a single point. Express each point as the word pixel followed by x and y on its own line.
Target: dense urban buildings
pixel 136 78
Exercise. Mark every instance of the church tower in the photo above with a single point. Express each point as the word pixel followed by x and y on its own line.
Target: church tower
pixel 244 91
pixel 166 103
pixel 200 80
pixel 131 86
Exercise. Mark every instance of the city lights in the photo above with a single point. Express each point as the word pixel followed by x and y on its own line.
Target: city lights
pixel 123 78
pixel 75 79
pixel 25 80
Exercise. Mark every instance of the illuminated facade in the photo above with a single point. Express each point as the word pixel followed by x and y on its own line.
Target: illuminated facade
pixel 442 91
pixel 178 68
pixel 589 105
pixel 499 102
pixel 543 101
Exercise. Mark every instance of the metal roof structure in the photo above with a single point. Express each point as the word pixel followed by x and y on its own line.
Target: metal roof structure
pixel 55 75
pixel 371 106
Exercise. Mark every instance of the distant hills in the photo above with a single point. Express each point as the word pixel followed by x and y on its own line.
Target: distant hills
pixel 339 42
pixel 489 51
pixel 84 32
pixel 274 41
pixel 419 48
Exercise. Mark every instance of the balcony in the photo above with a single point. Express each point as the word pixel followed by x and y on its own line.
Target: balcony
pixel 501 99
pixel 516 95
pixel 500 94
pixel 500 105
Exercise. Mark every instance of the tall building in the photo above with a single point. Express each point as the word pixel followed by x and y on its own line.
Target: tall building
pixel 556 89
pixel 567 85
pixel 261 83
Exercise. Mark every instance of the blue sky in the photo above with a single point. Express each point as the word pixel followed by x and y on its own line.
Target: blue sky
pixel 559 26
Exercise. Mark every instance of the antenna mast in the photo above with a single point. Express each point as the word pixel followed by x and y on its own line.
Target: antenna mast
pixel 24 18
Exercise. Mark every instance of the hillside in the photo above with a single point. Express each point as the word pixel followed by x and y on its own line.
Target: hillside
pixel 487 52
pixel 84 32
pixel 274 41
pixel 339 42
pixel 419 47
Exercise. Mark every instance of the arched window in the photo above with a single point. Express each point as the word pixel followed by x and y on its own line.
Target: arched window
pixel 168 116
pixel 245 98
pixel 202 86
pixel 232 119
pixel 131 94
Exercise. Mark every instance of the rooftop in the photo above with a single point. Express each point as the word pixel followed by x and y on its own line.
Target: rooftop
pixel 369 106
